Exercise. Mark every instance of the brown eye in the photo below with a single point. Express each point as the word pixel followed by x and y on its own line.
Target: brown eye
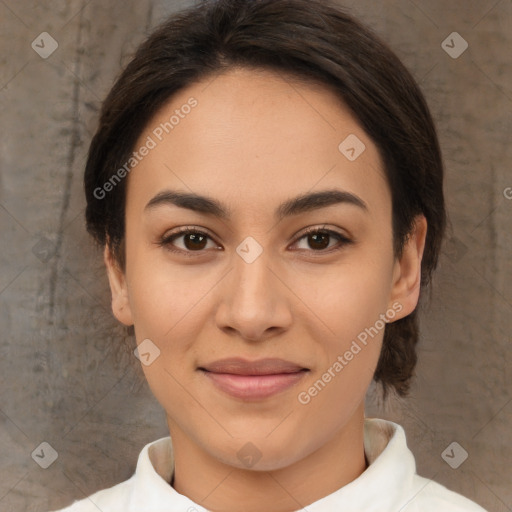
pixel 196 241
pixel 193 240
pixel 318 240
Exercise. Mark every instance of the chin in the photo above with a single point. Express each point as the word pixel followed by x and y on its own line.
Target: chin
pixel 258 453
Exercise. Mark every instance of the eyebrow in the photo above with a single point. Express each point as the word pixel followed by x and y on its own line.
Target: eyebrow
pixel 295 206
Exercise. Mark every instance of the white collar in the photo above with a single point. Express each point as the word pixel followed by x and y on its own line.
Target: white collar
pixel 387 484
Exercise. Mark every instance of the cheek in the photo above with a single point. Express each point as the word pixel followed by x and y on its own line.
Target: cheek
pixel 345 300
pixel 170 306
pixel 164 296
pixel 344 318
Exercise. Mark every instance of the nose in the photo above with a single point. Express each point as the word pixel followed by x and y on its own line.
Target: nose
pixel 255 301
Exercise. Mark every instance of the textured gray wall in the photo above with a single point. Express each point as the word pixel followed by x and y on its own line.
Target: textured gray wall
pixel 61 380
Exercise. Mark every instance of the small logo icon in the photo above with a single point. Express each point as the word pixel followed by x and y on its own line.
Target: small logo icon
pixel 44 45
pixel 44 249
pixel 454 455
pixel 249 455
pixel 352 147
pixel 45 455
pixel 249 249
pixel 454 45
pixel 146 352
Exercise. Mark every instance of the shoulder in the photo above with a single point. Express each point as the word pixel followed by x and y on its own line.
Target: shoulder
pixel 147 484
pixel 392 471
pixel 113 498
pixel 434 496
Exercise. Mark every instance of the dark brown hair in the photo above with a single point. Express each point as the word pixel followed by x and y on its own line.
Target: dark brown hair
pixel 315 41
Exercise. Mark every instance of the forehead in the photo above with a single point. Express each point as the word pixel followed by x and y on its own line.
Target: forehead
pixel 256 136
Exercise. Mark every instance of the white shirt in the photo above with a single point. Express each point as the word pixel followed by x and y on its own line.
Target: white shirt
pixel 389 483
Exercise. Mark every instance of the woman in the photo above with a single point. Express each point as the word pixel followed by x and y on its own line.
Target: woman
pixel 266 183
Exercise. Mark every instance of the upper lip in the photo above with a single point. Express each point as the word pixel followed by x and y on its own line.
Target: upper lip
pixel 240 366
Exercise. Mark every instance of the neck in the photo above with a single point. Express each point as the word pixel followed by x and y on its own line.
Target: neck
pixel 219 486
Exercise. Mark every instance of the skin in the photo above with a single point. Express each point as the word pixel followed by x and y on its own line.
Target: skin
pixel 254 140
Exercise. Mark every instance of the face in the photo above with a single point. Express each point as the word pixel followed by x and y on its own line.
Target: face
pixel 264 272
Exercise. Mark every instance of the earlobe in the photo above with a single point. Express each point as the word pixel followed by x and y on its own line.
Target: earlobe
pixel 407 270
pixel 118 288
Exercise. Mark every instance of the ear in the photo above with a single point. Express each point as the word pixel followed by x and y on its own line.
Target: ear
pixel 407 270
pixel 118 288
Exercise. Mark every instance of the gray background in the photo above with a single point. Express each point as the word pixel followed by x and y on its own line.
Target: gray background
pixel 63 382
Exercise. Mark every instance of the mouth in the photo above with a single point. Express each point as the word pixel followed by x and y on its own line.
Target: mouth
pixel 253 380
pixel 240 366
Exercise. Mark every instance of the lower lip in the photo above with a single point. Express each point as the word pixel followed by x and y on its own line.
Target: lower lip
pixel 254 387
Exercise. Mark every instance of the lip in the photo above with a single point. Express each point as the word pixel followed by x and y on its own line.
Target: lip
pixel 253 380
pixel 241 366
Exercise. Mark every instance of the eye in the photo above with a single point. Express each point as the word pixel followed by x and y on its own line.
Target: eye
pixel 194 240
pixel 318 239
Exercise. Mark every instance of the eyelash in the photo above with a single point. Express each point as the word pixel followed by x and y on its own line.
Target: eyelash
pixel 166 240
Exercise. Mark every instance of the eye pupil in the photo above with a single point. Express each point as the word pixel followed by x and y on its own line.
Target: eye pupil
pixel 195 238
pixel 325 237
